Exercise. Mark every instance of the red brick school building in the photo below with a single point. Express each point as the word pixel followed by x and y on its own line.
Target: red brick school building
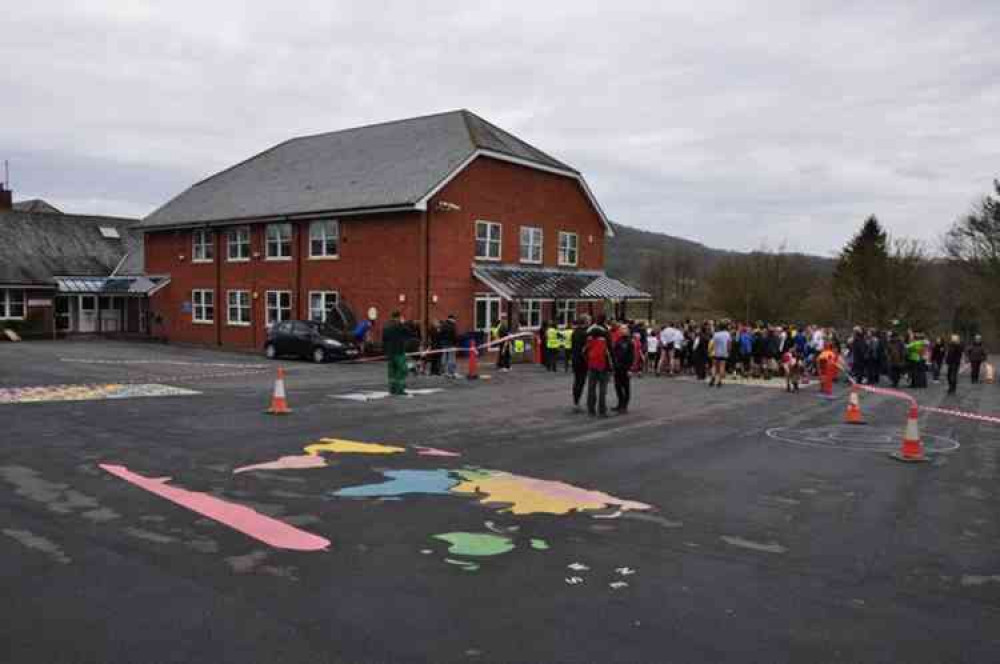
pixel 437 215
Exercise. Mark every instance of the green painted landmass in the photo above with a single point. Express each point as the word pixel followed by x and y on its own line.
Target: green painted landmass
pixel 476 544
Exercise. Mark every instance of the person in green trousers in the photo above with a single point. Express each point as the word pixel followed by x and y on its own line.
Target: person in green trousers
pixel 394 340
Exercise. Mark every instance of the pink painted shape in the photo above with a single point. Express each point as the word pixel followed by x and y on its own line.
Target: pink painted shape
pixel 296 462
pixel 270 531
pixel 435 452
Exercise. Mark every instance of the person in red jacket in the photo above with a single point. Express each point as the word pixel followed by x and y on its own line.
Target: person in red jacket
pixel 597 351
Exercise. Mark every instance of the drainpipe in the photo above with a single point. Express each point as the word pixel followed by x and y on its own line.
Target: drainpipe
pixel 218 289
pixel 300 312
pixel 425 269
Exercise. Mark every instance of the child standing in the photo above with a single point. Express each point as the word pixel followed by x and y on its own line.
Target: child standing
pixel 792 363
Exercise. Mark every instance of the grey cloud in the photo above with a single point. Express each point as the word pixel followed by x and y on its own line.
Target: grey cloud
pixel 710 121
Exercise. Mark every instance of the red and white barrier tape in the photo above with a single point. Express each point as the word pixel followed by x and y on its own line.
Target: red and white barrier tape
pixel 453 349
pixel 930 409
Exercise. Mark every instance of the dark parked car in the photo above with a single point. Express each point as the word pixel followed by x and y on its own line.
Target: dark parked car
pixel 316 341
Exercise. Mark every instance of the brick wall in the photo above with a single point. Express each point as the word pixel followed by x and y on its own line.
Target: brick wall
pixel 378 262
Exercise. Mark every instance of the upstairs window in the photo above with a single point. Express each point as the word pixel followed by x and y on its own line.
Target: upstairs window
pixel 488 240
pixel 203 248
pixel 279 241
pixel 531 244
pixel 238 243
pixel 324 239
pixel 569 248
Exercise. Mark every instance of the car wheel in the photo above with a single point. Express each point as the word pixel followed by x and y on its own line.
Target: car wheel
pixel 319 356
pixel 270 352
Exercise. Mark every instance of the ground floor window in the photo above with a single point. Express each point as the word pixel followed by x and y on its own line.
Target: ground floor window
pixel 487 312
pixel 279 306
pixel 202 306
pixel 239 307
pixel 566 312
pixel 11 304
pixel 321 303
pixel 530 316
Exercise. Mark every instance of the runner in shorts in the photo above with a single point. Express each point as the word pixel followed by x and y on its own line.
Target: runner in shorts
pixel 720 352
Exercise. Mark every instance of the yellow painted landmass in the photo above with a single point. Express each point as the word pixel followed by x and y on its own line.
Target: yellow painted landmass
pixel 350 447
pixel 527 495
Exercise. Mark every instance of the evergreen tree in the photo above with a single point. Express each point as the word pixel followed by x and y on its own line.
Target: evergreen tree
pixel 859 279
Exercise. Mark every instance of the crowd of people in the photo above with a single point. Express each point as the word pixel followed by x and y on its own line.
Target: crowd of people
pixel 721 350
pixel 602 352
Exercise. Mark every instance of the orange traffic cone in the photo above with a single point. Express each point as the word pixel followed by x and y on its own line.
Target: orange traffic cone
pixel 912 449
pixel 473 373
pixel 853 414
pixel 279 405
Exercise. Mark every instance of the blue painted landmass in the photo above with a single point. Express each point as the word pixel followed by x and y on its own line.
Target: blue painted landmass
pixel 404 482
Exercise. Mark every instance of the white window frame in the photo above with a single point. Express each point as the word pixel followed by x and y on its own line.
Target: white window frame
pixel 200 306
pixel 489 240
pixel 491 323
pixel 7 304
pixel 276 308
pixel 202 246
pixel 324 238
pixel 238 236
pixel 324 306
pixel 278 237
pixel 535 242
pixel 530 311
pixel 566 314
pixel 564 248
pixel 241 305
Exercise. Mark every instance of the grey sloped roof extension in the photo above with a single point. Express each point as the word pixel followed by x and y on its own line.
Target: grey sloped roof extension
pixel 521 282
pixel 388 165
pixel 36 205
pixel 34 248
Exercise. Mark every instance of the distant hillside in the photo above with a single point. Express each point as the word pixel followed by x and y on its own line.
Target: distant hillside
pixel 631 248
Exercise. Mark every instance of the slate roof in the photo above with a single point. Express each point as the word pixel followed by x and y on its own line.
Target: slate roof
pixel 520 283
pixel 36 205
pixel 35 248
pixel 390 165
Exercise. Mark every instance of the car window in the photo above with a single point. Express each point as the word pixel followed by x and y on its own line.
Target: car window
pixel 301 329
pixel 285 328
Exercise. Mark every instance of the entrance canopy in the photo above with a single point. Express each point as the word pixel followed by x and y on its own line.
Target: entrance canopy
pixel 538 283
pixel 110 285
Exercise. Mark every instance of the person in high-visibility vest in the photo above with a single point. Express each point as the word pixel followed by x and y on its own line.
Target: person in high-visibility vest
pixel 553 344
pixel 828 363
pixel 566 337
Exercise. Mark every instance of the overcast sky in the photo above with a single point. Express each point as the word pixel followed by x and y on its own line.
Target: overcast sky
pixel 705 120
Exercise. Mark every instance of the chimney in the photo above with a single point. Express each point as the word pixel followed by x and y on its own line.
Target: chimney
pixel 6 198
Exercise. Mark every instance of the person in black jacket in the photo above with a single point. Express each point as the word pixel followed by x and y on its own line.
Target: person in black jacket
pixel 953 358
pixel 577 343
pixel 624 355
pixel 859 355
pixel 977 355
pixel 938 351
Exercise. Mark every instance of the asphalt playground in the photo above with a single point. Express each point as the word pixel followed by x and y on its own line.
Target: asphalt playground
pixel 740 524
